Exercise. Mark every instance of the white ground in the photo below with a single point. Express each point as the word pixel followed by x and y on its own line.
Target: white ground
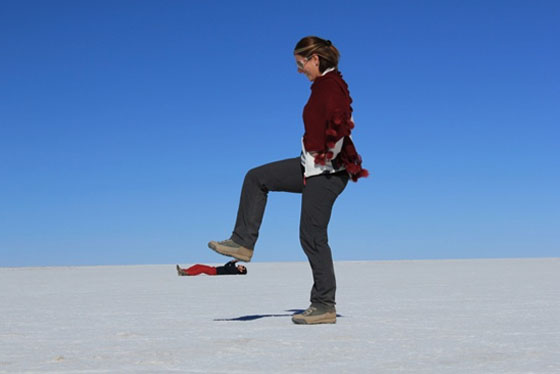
pixel 460 316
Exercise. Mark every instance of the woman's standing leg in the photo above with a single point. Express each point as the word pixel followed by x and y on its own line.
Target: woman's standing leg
pixel 318 198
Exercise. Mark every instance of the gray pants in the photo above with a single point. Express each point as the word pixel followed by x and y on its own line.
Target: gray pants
pixel 318 197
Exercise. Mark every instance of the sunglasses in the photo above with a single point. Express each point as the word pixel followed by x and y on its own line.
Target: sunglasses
pixel 301 63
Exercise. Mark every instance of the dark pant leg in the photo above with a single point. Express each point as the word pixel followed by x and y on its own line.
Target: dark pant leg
pixel 317 201
pixel 285 175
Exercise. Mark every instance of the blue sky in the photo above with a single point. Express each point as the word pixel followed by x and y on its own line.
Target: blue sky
pixel 126 127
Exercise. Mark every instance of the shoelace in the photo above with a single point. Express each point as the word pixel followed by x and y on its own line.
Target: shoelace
pixel 309 311
pixel 229 243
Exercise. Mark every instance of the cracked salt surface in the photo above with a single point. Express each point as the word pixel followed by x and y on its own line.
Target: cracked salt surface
pixel 446 316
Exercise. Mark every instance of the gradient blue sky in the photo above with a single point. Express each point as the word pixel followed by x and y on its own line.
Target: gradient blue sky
pixel 126 127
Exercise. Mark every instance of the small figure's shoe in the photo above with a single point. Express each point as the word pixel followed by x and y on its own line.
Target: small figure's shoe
pixel 181 271
pixel 230 248
pixel 315 314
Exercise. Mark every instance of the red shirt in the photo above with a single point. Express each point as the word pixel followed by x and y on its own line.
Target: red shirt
pixel 329 95
pixel 327 118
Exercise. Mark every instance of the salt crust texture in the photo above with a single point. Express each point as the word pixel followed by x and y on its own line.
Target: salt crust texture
pixel 445 316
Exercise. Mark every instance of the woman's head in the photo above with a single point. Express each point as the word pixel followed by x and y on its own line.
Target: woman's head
pixel 315 55
pixel 241 269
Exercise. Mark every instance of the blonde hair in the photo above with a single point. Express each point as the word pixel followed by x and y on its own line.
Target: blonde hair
pixel 324 49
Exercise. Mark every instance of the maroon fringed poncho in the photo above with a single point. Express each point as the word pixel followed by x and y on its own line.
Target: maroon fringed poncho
pixel 327 119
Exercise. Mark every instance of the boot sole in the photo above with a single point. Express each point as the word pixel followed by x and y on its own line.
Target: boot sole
pixel 229 252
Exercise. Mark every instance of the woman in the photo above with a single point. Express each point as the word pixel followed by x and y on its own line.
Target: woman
pixel 328 159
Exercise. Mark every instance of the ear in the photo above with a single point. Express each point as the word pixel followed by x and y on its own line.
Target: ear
pixel 315 59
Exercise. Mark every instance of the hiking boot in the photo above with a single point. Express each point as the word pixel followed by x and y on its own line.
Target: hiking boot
pixel 230 248
pixel 315 314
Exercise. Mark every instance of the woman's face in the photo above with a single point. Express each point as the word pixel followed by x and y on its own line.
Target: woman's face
pixel 308 66
pixel 241 268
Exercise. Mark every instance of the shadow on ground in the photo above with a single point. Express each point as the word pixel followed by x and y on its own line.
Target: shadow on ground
pixel 253 317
